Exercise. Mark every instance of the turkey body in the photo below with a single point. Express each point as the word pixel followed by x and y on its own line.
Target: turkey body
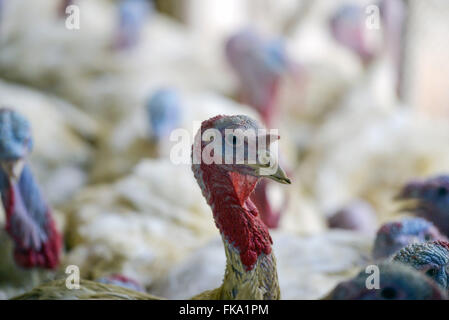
pixel 88 290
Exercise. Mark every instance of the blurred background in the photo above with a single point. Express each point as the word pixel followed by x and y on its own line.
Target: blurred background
pixel 358 90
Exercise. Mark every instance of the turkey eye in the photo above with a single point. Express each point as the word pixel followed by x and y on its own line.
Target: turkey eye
pixel 442 191
pixel 427 237
pixel 432 272
pixel 388 293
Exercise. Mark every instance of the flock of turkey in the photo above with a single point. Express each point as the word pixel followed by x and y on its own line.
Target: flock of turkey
pixel 87 177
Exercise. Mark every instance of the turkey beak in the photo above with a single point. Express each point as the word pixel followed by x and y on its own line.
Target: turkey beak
pixel 280 176
pixel 267 162
pixel 13 168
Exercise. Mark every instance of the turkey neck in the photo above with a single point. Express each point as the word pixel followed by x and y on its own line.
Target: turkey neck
pixel 250 264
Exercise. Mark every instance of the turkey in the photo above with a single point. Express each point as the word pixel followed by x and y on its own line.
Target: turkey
pixel 173 207
pixel 32 242
pixel 251 266
pixel 429 199
pixel 430 258
pixel 63 137
pixel 395 235
pixel 115 105
pixel 164 110
pixel 348 27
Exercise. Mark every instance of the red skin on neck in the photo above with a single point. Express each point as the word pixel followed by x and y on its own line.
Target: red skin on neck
pixel 48 256
pixel 235 214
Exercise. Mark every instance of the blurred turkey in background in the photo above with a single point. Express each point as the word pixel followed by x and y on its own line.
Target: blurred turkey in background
pixel 362 107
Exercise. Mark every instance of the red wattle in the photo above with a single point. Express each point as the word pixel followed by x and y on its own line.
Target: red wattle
pixel 48 256
pixel 235 215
